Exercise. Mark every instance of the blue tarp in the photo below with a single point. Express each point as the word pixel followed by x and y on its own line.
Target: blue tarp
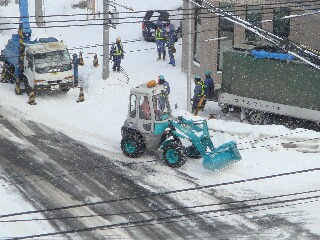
pixel 264 54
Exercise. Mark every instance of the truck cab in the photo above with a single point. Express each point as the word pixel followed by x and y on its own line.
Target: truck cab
pixel 47 66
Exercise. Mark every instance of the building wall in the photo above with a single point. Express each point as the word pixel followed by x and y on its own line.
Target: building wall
pixel 303 31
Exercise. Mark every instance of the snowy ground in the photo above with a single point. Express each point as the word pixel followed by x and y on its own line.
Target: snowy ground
pixel 98 120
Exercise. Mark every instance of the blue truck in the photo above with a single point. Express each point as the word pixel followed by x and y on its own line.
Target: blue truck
pixel 40 64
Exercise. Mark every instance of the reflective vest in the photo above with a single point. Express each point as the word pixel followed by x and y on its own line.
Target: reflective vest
pixel 159 35
pixel 203 87
pixel 117 51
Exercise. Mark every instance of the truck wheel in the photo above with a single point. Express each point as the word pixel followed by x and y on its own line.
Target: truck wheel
pixel 316 124
pixel 192 152
pixel 225 109
pixel 133 145
pixel 27 86
pixel 65 90
pixel 8 73
pixel 174 155
pixel 256 118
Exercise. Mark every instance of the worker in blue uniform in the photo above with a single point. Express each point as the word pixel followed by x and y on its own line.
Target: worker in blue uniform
pixel 161 41
pixel 162 97
pixel 116 54
pixel 171 39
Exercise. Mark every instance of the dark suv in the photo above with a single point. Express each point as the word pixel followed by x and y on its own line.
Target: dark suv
pixel 149 23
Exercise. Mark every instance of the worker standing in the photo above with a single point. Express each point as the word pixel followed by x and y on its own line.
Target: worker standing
pixel 170 43
pixel 209 89
pixel 209 86
pixel 162 98
pixel 161 41
pixel 198 96
pixel 162 81
pixel 116 54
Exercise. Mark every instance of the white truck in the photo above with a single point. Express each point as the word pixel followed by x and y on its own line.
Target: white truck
pixel 47 66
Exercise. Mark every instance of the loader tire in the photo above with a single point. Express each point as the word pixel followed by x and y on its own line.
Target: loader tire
pixel 192 152
pixel 133 145
pixel 174 155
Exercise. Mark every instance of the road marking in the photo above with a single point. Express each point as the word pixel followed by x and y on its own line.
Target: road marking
pixel 5 133
pixel 44 128
pixel 18 124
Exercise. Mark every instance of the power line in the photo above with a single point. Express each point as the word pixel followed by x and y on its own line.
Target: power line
pixel 162 210
pixel 127 22
pixel 138 40
pixel 299 3
pixel 263 33
pixel 166 218
pixel 221 215
pixel 173 15
pixel 164 193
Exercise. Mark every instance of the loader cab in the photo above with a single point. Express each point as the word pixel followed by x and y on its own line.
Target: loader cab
pixel 149 109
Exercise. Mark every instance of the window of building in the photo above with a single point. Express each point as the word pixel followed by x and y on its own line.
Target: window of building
pixel 281 27
pixel 225 33
pixel 197 33
pixel 254 16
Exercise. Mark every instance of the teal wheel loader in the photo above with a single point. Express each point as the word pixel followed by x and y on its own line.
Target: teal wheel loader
pixel 150 127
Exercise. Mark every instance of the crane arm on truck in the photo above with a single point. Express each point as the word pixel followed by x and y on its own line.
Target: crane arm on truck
pixel 309 56
pixel 24 20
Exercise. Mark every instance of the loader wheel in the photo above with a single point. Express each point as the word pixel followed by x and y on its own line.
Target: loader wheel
pixel 192 152
pixel 133 145
pixel 174 155
pixel 256 118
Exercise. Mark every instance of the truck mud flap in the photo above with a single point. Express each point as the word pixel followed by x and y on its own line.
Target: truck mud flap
pixel 221 157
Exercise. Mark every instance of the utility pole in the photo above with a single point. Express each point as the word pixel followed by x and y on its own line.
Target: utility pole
pixel 39 12
pixel 91 5
pixel 189 61
pixel 105 68
pixel 94 9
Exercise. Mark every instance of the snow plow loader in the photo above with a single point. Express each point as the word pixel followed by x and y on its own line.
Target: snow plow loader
pixel 150 127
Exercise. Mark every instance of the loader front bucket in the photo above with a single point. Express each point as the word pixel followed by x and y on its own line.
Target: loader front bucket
pixel 221 157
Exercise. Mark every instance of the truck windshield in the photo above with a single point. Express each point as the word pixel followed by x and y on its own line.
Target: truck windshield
pixel 57 61
pixel 161 107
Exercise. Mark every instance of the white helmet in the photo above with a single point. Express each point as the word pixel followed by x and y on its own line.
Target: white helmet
pixel 118 39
